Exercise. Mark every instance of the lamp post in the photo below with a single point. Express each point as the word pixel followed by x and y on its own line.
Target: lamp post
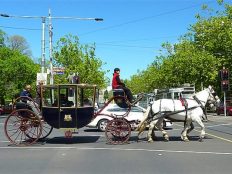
pixel 50 35
pixel 43 34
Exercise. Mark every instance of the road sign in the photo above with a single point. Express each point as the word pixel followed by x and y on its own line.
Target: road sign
pixel 58 70
pixel 41 77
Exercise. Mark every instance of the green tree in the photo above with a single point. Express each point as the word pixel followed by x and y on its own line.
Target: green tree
pixel 2 38
pixel 20 44
pixel 74 57
pixel 16 70
pixel 197 58
pixel 213 33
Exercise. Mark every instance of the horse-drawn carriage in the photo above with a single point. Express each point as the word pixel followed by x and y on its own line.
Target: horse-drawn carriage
pixel 67 107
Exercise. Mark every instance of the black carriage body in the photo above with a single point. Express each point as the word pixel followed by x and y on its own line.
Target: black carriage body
pixel 68 117
pixel 68 106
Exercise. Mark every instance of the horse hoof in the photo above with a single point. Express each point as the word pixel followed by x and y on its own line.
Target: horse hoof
pixel 166 140
pixel 150 141
pixel 182 137
pixel 186 140
pixel 200 140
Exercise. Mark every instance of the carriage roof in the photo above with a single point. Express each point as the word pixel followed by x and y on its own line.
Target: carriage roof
pixel 75 94
pixel 82 85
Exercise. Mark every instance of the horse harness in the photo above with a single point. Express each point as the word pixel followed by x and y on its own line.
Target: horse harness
pixel 184 102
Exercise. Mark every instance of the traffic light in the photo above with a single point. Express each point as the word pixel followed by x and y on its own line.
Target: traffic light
pixel 225 85
pixel 224 74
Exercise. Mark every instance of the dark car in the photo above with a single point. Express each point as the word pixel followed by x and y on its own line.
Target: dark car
pixel 1 111
pixel 220 109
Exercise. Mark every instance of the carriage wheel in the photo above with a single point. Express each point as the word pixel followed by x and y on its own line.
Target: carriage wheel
pixel 118 131
pixel 22 127
pixel 46 130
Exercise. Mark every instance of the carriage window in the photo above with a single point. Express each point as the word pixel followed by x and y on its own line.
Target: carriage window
pixel 50 96
pixel 86 97
pixel 67 96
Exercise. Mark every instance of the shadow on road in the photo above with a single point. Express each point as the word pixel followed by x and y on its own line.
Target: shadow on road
pixel 73 140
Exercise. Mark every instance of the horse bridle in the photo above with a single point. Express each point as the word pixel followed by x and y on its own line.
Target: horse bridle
pixel 212 93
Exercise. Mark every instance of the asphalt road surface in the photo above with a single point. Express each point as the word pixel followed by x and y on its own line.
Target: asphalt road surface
pixel 89 153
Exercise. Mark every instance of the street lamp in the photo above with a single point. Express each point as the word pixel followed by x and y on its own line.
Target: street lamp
pixel 50 35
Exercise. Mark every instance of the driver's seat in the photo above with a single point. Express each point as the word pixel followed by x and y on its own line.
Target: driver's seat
pixel 120 98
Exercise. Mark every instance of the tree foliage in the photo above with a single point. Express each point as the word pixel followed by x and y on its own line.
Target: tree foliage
pixel 2 38
pixel 74 57
pixel 196 59
pixel 16 71
pixel 20 44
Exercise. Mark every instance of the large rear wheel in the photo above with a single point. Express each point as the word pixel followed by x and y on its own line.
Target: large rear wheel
pixel 118 131
pixel 22 127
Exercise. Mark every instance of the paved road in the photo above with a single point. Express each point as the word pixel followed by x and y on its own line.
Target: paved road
pixel 89 153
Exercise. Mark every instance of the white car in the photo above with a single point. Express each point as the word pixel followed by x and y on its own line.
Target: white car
pixel 136 114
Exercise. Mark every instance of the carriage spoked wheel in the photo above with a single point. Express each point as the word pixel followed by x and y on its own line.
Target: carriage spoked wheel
pixel 22 127
pixel 118 131
pixel 46 130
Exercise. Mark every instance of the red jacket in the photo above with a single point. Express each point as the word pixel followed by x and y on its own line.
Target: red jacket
pixel 116 82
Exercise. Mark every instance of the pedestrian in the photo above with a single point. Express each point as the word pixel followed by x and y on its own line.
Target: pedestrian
pixel 118 84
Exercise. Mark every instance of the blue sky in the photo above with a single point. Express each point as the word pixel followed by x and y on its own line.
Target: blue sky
pixel 129 37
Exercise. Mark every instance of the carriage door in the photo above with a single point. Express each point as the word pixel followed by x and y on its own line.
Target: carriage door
pixel 67 105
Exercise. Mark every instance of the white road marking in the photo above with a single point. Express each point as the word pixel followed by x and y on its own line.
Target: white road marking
pixel 228 124
pixel 119 149
pixel 212 135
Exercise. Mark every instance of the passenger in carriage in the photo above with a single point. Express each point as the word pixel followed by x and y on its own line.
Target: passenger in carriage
pixel 26 93
pixel 118 84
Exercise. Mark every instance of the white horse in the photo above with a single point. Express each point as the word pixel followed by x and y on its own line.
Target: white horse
pixel 191 110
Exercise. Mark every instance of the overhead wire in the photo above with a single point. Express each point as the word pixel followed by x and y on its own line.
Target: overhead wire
pixel 145 18
pixel 19 28
pixel 126 23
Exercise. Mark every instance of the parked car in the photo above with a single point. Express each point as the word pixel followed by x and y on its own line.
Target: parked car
pixel 100 121
pixel 1 111
pixel 6 109
pixel 220 109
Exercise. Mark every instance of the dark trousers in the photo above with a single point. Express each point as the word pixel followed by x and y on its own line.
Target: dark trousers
pixel 127 92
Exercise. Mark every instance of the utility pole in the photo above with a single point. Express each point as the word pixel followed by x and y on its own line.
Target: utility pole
pixel 43 46
pixel 50 36
pixel 50 47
